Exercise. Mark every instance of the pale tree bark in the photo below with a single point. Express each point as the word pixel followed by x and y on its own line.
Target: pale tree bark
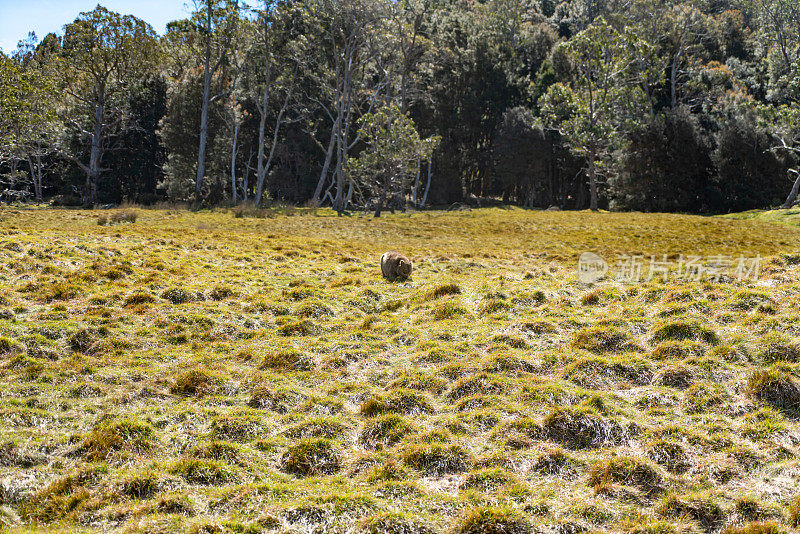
pixel 38 178
pixel 592 171
pixel 201 154
pixel 791 200
pixel 233 158
pixel 264 167
pixel 208 74
pixel 315 199
pixel 427 186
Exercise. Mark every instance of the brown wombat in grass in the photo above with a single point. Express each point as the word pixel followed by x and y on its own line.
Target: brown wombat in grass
pixel 395 266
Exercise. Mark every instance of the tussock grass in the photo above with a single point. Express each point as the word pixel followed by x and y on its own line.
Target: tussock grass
pixel 203 372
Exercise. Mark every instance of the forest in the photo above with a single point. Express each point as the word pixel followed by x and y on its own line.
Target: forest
pixel 646 105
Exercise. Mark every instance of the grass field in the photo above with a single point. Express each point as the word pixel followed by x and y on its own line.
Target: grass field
pixel 169 371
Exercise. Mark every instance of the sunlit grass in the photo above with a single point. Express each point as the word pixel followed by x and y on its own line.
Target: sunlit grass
pixel 238 371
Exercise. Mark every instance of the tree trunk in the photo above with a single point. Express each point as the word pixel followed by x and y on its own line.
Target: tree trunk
pixel 262 124
pixel 233 159
pixel 328 156
pixel 592 182
pixel 427 186
pixel 673 75
pixel 245 185
pixel 381 202
pixel 96 153
pixel 792 198
pixel 37 181
pixel 201 154
pixel 415 192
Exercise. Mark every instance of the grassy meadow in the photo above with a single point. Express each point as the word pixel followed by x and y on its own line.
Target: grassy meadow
pixel 221 371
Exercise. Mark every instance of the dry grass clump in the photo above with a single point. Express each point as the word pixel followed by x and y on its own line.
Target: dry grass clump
pixel 756 528
pixel 127 215
pixel 684 331
pixel 436 459
pixel 393 523
pixel 195 382
pixel 582 428
pixel 386 430
pixel 669 454
pixel 403 401
pixel 288 360
pixel 248 209
pixel 203 472
pixel 629 471
pixel 312 456
pixel 700 507
pixel 776 388
pixel 776 347
pixel 112 436
pixel 177 295
pixel 601 340
pixel 442 290
pixel 492 520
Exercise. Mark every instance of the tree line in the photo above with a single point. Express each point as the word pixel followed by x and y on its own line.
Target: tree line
pixel 652 105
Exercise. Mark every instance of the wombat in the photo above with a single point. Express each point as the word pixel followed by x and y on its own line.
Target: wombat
pixel 395 266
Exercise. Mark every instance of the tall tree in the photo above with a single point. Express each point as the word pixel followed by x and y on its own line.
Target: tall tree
pixel 104 55
pixel 218 24
pixel 394 151
pixel 604 94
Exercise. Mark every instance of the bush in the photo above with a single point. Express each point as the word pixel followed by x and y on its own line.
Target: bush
pixel 312 456
pixel 487 520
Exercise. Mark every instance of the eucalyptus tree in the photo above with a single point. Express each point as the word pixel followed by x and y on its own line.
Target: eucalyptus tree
pixel 603 97
pixel 217 22
pixel 394 149
pixel 351 74
pixel 104 54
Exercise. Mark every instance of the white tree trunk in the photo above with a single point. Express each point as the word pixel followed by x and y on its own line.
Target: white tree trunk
pixel 233 159
pixel 201 154
pixel 791 200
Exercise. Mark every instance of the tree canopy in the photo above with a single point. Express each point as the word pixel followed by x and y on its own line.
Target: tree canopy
pixel 646 105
